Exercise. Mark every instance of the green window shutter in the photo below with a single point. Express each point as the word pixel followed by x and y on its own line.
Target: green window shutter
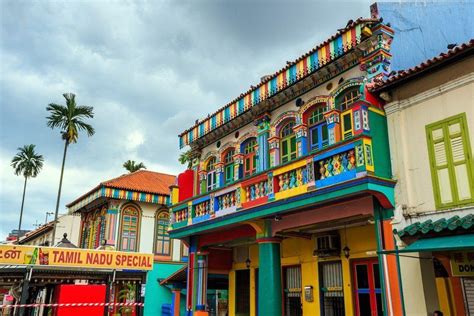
pixel 347 125
pixel 229 173
pixel 461 166
pixel 284 150
pixel 293 147
pixel 450 161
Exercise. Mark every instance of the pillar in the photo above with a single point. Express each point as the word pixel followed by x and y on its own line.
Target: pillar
pixel 269 273
pixel 201 293
pixel 202 181
pixel 112 223
pixel 301 133
pixel 392 296
pixel 220 174
pixel 176 301
pixel 238 165
pixel 196 290
pixel 274 149
pixel 263 130
pixel 334 126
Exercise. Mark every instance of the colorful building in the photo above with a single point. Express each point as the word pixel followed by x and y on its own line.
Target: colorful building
pixel 430 114
pixel 130 213
pixel 290 194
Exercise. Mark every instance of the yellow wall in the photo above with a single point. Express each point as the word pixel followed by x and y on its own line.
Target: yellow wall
pixel 299 251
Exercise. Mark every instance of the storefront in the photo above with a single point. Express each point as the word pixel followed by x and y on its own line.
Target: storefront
pixel 445 249
pixel 68 281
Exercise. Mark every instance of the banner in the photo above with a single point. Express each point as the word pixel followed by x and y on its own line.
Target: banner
pixel 72 257
pixel 462 263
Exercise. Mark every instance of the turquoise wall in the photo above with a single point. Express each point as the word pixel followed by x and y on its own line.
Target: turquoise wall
pixel 155 294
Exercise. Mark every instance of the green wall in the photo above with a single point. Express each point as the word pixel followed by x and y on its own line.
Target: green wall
pixel 157 295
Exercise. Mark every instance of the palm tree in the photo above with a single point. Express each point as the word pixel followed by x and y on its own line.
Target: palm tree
pixel 28 164
pixel 70 119
pixel 185 158
pixel 132 166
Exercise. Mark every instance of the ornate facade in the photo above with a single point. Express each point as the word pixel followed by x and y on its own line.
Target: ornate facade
pixel 291 186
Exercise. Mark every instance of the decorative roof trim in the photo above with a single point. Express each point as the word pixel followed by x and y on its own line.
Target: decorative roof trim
pixel 438 226
pixel 119 194
pixel 334 47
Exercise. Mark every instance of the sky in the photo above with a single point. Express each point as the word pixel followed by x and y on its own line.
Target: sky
pixel 149 69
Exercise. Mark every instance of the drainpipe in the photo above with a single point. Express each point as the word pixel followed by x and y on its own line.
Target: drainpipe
pixel 399 274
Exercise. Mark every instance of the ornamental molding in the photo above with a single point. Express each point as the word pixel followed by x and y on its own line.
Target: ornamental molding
pixel 397 106
pixel 403 219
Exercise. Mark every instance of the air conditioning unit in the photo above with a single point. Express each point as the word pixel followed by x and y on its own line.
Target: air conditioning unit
pixel 327 245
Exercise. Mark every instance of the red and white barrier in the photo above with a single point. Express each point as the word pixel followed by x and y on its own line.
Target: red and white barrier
pixel 73 305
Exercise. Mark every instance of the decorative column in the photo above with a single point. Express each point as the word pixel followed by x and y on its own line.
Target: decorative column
pixel 274 149
pixel 220 174
pixel 376 57
pixel 196 291
pixel 112 223
pixel 334 126
pixel 202 181
pixel 201 293
pixel 301 133
pixel 263 130
pixel 176 301
pixel 238 165
pixel 191 277
pixel 269 273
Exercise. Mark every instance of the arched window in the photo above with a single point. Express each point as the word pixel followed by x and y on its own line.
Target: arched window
pixel 318 129
pixel 162 238
pixel 229 165
pixel 211 174
pixel 344 101
pixel 250 158
pixel 129 229
pixel 287 142
pixel 346 98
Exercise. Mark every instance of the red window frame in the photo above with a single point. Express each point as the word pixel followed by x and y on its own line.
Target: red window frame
pixel 372 290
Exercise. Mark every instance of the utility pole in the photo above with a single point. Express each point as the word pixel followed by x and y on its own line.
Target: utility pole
pixel 46 219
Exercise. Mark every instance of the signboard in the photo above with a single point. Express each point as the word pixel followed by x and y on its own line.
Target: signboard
pixel 462 263
pixel 73 257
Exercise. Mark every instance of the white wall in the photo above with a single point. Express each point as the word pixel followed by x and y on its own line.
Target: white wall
pixel 408 143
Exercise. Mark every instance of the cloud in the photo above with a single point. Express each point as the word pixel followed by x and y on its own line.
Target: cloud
pixel 149 69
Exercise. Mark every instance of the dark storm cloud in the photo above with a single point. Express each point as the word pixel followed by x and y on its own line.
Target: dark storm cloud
pixel 148 68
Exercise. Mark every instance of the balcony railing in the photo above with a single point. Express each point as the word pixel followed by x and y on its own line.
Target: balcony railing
pixel 341 162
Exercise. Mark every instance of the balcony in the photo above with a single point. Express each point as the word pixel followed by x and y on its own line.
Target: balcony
pixel 345 161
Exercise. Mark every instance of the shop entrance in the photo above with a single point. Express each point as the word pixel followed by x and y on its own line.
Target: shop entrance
pixel 292 290
pixel 332 295
pixel 367 292
pixel 242 292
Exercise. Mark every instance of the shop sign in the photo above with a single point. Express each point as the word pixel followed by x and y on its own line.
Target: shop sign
pixel 462 263
pixel 70 257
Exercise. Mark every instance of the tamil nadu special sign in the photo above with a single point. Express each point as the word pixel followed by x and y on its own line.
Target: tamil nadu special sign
pixel 72 257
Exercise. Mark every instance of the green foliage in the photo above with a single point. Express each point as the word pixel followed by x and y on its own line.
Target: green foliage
pixel 70 119
pixel 132 166
pixel 127 294
pixel 185 158
pixel 27 162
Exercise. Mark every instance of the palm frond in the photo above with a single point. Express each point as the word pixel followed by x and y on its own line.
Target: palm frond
pixel 27 162
pixel 70 119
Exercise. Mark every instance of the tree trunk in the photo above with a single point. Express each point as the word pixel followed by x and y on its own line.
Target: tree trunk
pixel 21 210
pixel 59 193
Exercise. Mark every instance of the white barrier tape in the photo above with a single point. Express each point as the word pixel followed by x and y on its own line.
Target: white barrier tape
pixel 73 305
